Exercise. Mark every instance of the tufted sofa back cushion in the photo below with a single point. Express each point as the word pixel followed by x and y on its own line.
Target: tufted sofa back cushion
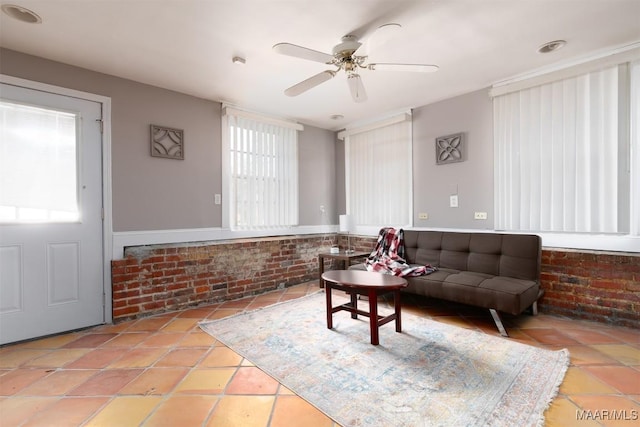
pixel 511 255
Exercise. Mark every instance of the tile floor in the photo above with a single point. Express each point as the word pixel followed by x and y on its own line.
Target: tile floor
pixel 164 371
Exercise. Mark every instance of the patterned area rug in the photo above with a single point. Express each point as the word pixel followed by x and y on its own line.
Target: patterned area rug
pixel 431 374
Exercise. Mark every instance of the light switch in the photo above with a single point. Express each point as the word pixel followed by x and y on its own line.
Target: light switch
pixel 217 199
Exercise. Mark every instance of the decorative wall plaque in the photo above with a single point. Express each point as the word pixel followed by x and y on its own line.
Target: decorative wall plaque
pixel 450 149
pixel 167 142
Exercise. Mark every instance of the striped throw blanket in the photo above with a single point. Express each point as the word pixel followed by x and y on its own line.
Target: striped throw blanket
pixel 388 256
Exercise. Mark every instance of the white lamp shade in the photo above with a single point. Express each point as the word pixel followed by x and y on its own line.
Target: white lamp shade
pixel 346 223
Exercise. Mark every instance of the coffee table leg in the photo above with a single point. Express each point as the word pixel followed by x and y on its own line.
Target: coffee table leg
pixel 396 303
pixel 354 304
pixel 373 316
pixel 327 291
pixel 320 270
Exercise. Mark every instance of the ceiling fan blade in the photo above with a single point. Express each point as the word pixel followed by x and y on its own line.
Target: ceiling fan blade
pixel 302 52
pixel 379 36
pixel 356 87
pixel 310 83
pixel 420 68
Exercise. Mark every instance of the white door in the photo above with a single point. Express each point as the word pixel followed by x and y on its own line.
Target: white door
pixel 51 243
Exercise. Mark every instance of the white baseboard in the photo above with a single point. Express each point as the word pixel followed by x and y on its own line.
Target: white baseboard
pixel 158 237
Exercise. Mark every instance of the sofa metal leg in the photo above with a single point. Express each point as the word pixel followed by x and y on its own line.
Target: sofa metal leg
pixel 498 321
pixel 534 308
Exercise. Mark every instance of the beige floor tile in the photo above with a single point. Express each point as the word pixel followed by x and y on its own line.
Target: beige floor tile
pixel 155 381
pixel 205 381
pixel 610 411
pixel 67 412
pixel 251 380
pixel 96 359
pixel 623 378
pixel 127 339
pixel 577 381
pixel 13 382
pixel 586 336
pixel 58 358
pixel 90 340
pixel 245 411
pixel 627 335
pixel 151 324
pixel 106 382
pixel 57 383
pixel 182 357
pixel 563 413
pixel 622 353
pixel 125 411
pixel 180 325
pixel 17 410
pixel 197 339
pixel 182 411
pixel 220 357
pixel 138 358
pixel 224 312
pixel 550 336
pixel 51 342
pixel 163 339
pixel 587 355
pixel 293 411
pixel 18 357
pixel 199 313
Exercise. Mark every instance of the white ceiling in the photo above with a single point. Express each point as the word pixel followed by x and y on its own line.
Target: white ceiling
pixel 187 46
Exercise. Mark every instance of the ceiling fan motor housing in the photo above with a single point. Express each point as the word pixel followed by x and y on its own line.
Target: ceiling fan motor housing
pixel 348 46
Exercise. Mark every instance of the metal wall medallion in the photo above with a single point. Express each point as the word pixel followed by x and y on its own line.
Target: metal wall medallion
pixel 450 149
pixel 167 142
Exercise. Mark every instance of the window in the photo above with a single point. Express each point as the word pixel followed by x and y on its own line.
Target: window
pixel 378 173
pixel 562 154
pixel 262 171
pixel 38 159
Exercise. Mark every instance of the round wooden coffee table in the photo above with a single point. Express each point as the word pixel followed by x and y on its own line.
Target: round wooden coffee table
pixel 367 283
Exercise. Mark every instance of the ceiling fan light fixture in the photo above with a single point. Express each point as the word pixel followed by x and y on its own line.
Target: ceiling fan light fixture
pixel 356 87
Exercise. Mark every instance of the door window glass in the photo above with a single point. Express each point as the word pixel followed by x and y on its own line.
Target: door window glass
pixel 38 164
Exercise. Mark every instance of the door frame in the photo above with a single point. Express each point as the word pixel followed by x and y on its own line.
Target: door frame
pixel 107 222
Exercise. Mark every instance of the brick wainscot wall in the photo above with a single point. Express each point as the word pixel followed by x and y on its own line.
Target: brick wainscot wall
pixel 159 278
pixel 591 285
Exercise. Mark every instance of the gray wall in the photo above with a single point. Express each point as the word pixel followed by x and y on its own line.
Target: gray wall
pixel 317 176
pixel 472 179
pixel 151 193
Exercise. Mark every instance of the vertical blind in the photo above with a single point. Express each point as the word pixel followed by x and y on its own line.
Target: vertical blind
pixel 378 175
pixel 558 155
pixel 635 146
pixel 263 167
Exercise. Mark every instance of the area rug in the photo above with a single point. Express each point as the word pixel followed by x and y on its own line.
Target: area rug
pixel 431 374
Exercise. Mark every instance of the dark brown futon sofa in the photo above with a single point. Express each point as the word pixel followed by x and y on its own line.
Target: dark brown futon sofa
pixel 499 272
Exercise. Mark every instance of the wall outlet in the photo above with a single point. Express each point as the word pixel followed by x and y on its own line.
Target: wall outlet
pixel 480 215
pixel 217 199
pixel 423 215
pixel 453 201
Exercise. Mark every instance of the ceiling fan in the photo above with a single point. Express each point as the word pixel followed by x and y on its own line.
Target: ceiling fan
pixel 351 56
